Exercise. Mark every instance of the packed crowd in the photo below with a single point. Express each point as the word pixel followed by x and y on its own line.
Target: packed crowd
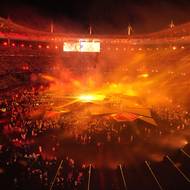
pixel 174 117
pixel 24 161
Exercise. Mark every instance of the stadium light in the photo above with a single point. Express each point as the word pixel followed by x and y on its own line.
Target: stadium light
pixel 5 43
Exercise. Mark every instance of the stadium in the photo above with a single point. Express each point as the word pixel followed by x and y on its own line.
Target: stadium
pixel 93 111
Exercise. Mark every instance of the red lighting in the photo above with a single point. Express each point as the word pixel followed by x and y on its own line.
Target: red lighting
pixel 39 46
pixel 174 47
pixel 13 44
pixel 25 67
pixel 5 43
pixel 47 47
pixel 22 45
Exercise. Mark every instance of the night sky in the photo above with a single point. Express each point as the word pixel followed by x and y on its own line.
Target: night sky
pixel 105 16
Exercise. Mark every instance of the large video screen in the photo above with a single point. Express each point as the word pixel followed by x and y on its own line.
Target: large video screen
pixel 82 46
pixel 71 46
pixel 89 46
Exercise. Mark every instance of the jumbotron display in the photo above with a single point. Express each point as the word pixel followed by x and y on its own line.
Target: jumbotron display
pixel 81 46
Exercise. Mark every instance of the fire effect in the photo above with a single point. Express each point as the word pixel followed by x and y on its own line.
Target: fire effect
pixel 90 97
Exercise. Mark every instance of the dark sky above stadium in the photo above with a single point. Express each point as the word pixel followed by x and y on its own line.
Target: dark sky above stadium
pixel 106 16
